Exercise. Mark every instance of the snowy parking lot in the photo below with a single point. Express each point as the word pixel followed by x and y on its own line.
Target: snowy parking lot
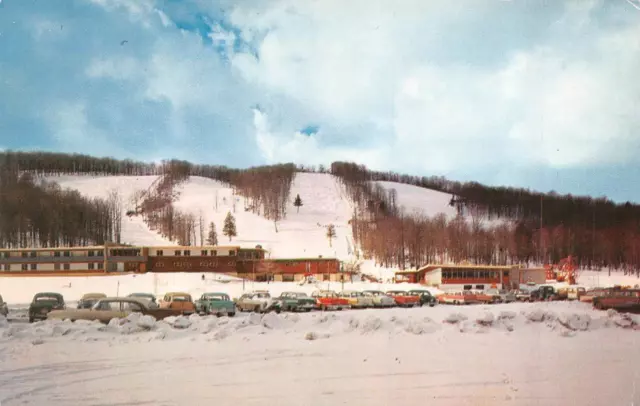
pixel 513 354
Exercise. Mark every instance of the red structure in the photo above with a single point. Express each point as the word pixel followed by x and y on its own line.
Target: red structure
pixel 565 270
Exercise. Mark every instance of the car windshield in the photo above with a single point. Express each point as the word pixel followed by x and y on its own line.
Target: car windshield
pixel 47 299
pixel 182 298
pixel 218 297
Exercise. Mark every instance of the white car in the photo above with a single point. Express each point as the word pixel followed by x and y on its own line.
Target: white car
pixel 380 299
pixel 257 301
pixel 356 299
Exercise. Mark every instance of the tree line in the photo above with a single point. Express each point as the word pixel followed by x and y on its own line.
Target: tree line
pixel 597 232
pixel 41 214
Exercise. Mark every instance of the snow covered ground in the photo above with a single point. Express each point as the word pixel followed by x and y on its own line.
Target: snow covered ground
pixel 516 354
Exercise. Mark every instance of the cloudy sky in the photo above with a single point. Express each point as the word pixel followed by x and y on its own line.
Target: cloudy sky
pixel 533 93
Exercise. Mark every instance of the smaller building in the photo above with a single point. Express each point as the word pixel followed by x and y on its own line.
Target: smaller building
pixel 467 277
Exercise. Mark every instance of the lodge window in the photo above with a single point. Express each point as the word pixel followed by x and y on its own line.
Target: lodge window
pixel 204 253
pixel 7 267
pixel 177 253
pixel 232 253
pixel 5 254
pixel 214 253
pixel 67 267
pixel 187 253
pixel 505 274
pixel 326 277
pixel 99 254
pixel 32 254
pixel 91 265
pixel 467 287
pixel 66 253
pixel 56 254
pixel 287 278
pixel 34 267
pixel 480 287
pixel 159 253
pixel 90 253
pixel 24 267
pixel 24 255
pixel 100 265
pixel 56 267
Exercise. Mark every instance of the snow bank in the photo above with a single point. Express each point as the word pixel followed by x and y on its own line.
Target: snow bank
pixel 312 326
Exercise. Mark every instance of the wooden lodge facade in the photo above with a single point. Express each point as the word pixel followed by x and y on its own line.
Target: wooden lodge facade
pixel 248 263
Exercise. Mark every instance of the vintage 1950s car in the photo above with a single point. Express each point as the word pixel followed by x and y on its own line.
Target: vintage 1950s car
pixel 178 301
pixel 426 298
pixel 113 307
pixel 619 299
pixel 404 299
pixel 43 303
pixel 329 300
pixel 293 302
pixel 89 299
pixel 258 301
pixel 217 303
pixel 149 297
pixel 380 299
pixel 357 300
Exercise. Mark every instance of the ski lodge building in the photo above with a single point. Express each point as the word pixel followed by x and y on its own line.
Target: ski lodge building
pixel 467 277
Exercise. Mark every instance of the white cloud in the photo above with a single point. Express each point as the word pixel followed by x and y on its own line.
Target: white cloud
pixel 371 64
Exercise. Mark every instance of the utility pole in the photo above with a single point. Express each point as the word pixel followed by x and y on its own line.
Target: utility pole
pixel 540 243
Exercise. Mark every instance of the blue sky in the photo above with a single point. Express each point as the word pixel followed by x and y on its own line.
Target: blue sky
pixel 541 94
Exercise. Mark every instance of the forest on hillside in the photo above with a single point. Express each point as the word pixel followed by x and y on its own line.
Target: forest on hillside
pixel 34 213
pixel 597 232
pixel 537 227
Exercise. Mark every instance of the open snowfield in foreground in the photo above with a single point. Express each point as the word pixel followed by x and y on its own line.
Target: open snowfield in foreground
pixel 514 354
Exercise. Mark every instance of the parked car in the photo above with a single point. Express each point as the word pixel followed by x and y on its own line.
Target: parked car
pixel 503 295
pixel 546 293
pixel 149 297
pixel 380 299
pixel 403 298
pixel 455 298
pixel 479 297
pixel 589 295
pixel 426 298
pixel 258 301
pixel 293 302
pixel 619 299
pixel 178 301
pixel 216 303
pixel 4 309
pixel 522 295
pixel 113 307
pixel 89 299
pixel 43 303
pixel 329 300
pixel 575 292
pixel 356 299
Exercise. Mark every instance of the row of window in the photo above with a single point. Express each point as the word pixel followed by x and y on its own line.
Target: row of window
pixel 57 254
pixel 187 253
pixel 56 267
pixel 472 274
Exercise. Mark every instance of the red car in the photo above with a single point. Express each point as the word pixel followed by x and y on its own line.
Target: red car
pixel 619 299
pixel 329 300
pixel 404 299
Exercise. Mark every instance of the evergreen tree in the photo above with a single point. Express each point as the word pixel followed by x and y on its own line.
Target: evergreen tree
pixel 297 202
pixel 331 233
pixel 229 228
pixel 212 238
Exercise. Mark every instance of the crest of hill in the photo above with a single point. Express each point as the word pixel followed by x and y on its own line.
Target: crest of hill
pixel 301 234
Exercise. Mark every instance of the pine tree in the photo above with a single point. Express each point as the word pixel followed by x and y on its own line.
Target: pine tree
pixel 331 233
pixel 229 228
pixel 297 202
pixel 212 238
